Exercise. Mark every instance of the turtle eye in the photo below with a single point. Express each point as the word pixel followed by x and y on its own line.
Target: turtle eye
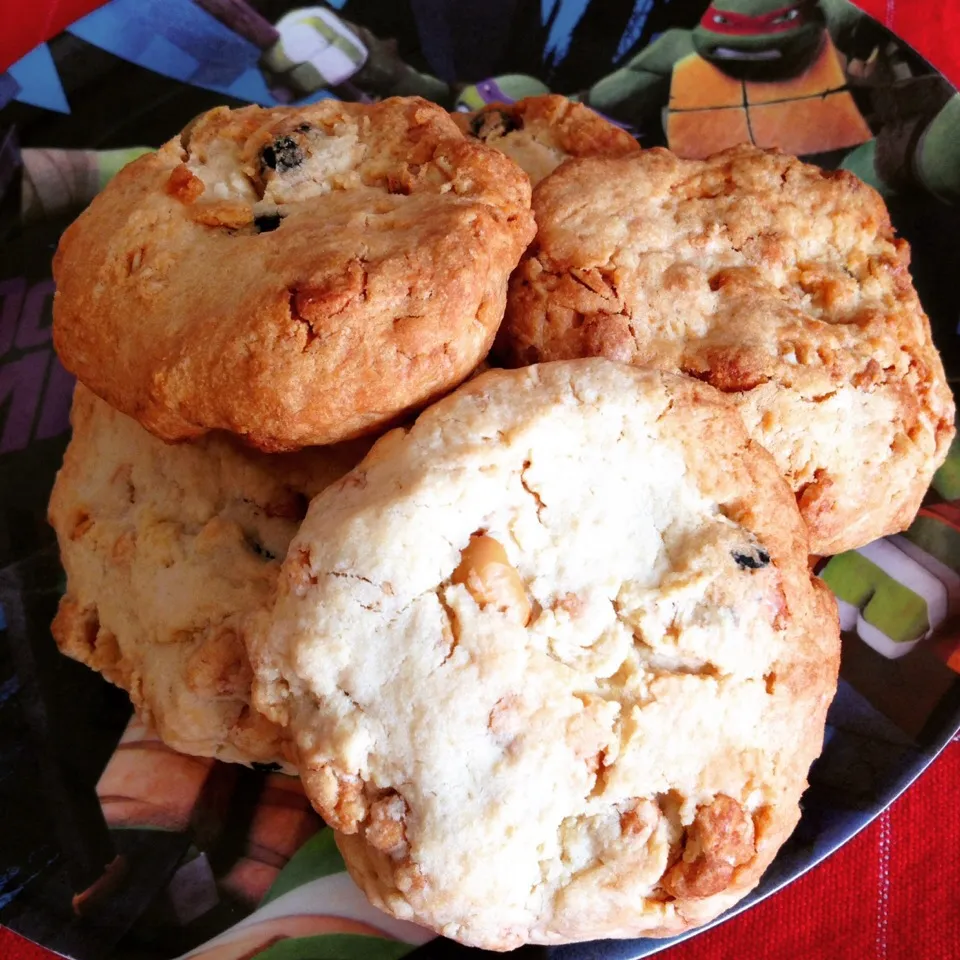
pixel 787 17
pixel 719 19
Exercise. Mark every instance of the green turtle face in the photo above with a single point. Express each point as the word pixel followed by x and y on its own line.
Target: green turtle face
pixel 763 40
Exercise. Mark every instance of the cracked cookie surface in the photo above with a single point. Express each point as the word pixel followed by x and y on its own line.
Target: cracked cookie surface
pixel 552 658
pixel 167 549
pixel 778 283
pixel 539 133
pixel 296 276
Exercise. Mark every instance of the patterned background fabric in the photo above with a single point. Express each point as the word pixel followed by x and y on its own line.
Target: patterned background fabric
pixel 892 892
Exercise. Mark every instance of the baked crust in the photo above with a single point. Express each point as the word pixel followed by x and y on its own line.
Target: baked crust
pixel 296 276
pixel 540 133
pixel 780 284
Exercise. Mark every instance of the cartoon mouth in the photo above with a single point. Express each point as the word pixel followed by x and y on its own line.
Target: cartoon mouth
pixel 728 53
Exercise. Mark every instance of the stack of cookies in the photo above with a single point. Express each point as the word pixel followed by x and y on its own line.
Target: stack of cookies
pixel 541 640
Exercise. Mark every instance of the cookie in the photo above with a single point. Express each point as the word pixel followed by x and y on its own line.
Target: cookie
pixel 777 282
pixel 296 276
pixel 553 659
pixel 539 133
pixel 167 549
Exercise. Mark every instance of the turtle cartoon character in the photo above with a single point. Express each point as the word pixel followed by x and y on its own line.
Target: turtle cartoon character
pixel 761 71
pixel 795 75
pixel 815 78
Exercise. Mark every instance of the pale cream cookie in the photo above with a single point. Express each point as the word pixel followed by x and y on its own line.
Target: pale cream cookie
pixel 553 660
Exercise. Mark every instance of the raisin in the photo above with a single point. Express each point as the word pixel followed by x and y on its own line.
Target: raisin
pixel 494 121
pixel 267 222
pixel 510 122
pixel 282 155
pixel 751 561
pixel 260 550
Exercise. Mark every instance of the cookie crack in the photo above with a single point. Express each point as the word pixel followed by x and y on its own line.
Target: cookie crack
pixel 349 697
pixel 715 380
pixel 540 505
pixel 602 286
pixel 666 411
pixel 452 625
pixel 705 669
pixel 339 574
pixel 298 317
pixel 663 664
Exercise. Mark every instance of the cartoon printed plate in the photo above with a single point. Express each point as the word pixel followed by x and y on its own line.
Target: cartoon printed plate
pixel 114 845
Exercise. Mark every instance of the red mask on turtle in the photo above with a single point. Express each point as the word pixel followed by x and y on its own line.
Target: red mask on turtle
pixel 744 25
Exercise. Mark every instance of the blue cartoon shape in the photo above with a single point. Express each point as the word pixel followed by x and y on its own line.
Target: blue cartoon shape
pixel 180 40
pixel 9 88
pixel 175 38
pixel 39 82
pixel 565 15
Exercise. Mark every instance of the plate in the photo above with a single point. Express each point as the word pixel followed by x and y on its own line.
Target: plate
pixel 115 846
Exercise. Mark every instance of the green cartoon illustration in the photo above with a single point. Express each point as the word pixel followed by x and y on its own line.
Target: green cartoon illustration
pixel 791 76
pixel 894 593
pixel 316 49
pixel 62 182
pixel 806 76
pixel 751 70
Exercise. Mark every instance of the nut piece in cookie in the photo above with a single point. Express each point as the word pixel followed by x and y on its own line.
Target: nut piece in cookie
pixel 539 133
pixel 779 283
pixel 168 550
pixel 298 276
pixel 553 659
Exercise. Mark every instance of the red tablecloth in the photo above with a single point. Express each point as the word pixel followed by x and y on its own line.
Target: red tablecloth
pixel 894 891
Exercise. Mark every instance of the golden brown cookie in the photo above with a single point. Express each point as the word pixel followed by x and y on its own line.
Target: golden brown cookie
pixel 553 660
pixel 167 550
pixel 294 275
pixel 539 133
pixel 777 282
